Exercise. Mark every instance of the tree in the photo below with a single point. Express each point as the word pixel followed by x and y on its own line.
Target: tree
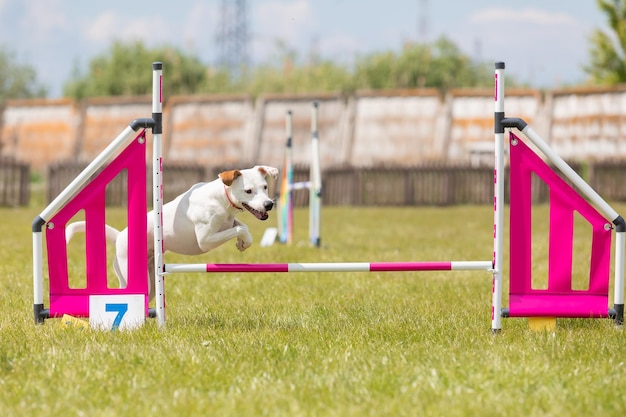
pixel 17 80
pixel 291 75
pixel 440 65
pixel 122 71
pixel 608 51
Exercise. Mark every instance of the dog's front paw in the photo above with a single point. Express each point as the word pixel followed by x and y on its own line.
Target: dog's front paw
pixel 244 238
pixel 242 245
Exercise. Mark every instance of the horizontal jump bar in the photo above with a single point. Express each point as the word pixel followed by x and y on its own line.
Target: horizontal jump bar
pixel 334 267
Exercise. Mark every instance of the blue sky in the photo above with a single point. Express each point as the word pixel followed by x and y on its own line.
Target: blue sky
pixel 543 42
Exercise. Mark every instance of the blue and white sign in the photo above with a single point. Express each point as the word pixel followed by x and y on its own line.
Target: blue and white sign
pixel 119 311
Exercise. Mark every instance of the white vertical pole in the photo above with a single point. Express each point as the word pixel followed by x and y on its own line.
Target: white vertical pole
pixel 38 272
pixel 498 201
pixel 315 191
pixel 157 189
pixel 618 298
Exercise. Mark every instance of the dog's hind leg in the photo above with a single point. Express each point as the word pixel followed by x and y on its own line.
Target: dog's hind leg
pixel 120 263
pixel 151 286
pixel 73 228
pixel 120 266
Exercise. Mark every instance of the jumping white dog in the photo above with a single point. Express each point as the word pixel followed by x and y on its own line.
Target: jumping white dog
pixel 200 219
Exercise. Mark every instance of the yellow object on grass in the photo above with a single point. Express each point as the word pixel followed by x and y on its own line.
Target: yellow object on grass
pixel 68 320
pixel 542 323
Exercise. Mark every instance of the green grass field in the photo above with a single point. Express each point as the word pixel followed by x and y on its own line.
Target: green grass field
pixel 315 344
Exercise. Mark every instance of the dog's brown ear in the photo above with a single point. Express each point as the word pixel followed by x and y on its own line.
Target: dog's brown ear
pixel 228 177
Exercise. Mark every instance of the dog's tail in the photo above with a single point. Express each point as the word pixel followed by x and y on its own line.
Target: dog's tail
pixel 79 227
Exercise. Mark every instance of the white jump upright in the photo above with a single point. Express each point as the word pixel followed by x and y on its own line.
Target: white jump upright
pixel 498 203
pixel 157 192
pixel 288 186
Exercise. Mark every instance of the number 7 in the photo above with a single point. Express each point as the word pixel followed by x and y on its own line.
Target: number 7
pixel 121 309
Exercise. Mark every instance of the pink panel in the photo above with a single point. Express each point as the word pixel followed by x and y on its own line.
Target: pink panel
pixel 92 199
pixel 559 305
pixel 558 299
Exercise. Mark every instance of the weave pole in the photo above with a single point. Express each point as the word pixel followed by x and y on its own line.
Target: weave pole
pixel 288 186
pixel 285 201
pixel 315 192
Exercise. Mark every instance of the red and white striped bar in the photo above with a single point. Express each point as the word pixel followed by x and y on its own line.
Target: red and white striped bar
pixel 334 267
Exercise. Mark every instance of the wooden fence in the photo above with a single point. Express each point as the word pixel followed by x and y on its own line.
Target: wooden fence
pixel 178 179
pixel 14 182
pixel 609 179
pixel 427 185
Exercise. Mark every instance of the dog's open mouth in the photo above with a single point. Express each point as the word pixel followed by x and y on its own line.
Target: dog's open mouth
pixel 261 215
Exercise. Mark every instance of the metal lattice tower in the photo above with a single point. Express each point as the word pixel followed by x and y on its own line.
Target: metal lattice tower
pixel 232 37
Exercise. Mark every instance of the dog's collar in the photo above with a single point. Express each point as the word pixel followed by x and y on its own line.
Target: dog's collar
pixel 233 205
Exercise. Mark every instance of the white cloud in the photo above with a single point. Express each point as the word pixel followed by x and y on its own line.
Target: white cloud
pixel 285 18
pixel 110 25
pixel 293 22
pixel 101 28
pixel 200 25
pixel 531 40
pixel 526 16
pixel 42 19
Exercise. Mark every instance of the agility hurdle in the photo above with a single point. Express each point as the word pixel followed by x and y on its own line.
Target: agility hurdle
pixel 87 193
pixel 287 185
pixel 127 152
